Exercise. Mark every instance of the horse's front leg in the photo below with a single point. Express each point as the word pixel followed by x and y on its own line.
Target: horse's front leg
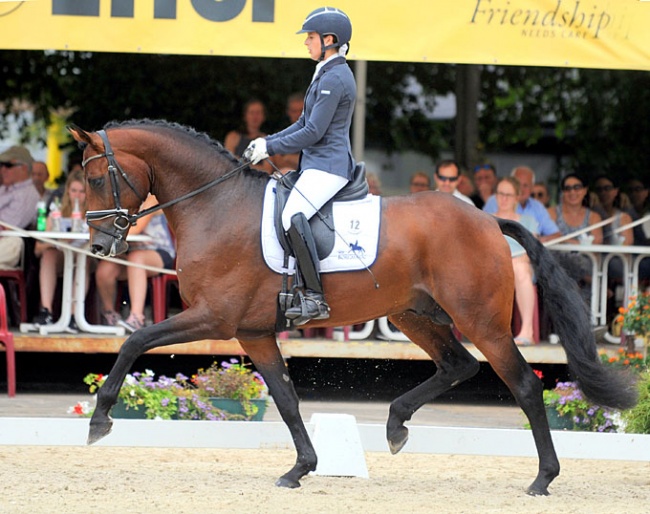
pixel 268 360
pixel 182 328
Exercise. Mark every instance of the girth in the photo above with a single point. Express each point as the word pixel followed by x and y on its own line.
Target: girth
pixel 322 223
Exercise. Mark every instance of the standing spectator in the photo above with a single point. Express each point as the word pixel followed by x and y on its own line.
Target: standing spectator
pixel 507 193
pixel 18 199
pixel 52 258
pixel 526 176
pixel 610 206
pixel 420 181
pixel 253 117
pixel 159 253
pixel 446 177
pixel 374 184
pixel 485 181
pixel 290 161
pixel 540 193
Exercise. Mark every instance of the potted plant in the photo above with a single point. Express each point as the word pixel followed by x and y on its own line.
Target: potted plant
pixel 567 408
pixel 230 391
pixel 635 319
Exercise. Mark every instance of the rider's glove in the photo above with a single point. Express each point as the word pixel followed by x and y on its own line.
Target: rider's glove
pixel 256 150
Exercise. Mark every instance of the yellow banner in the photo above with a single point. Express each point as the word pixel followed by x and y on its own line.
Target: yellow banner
pixel 573 33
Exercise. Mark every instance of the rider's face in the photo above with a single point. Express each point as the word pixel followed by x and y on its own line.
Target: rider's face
pixel 312 41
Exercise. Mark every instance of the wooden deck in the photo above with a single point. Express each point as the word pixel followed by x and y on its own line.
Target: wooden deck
pixel 543 353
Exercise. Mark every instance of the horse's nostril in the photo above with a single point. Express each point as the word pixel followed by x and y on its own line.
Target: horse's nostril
pixel 98 250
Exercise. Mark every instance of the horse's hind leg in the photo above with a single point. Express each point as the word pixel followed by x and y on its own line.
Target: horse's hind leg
pixel 454 365
pixel 266 356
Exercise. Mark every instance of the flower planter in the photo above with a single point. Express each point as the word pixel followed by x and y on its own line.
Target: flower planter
pixel 557 422
pixel 235 407
pixel 121 411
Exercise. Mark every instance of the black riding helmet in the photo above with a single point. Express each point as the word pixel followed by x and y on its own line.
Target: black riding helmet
pixel 327 21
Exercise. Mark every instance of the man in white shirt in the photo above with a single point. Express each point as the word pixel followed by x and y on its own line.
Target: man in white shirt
pixel 446 178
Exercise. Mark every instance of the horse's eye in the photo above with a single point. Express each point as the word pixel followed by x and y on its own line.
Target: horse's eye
pixel 96 183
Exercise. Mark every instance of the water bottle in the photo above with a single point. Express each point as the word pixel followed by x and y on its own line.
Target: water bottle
pixel 77 222
pixel 55 217
pixel 41 216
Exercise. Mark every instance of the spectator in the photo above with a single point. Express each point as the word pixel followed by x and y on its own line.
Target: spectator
pixel 52 258
pixel 610 201
pixel 18 199
pixel 507 193
pixel 526 176
pixel 465 185
pixel 159 253
pixel 374 184
pixel 446 177
pixel 40 175
pixel 420 181
pixel 540 193
pixel 485 181
pixel 638 193
pixel 290 161
pixel 572 214
pixel 253 117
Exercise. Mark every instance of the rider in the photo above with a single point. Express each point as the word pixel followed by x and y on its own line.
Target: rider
pixel 322 136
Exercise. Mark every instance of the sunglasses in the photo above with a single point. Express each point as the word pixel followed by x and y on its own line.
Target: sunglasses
pixel 10 164
pixel 539 194
pixel 482 167
pixel 442 178
pixel 603 189
pixel 574 187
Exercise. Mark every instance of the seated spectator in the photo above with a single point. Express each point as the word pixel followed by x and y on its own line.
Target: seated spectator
pixel 51 266
pixel 446 177
pixel 540 193
pixel 609 196
pixel 374 184
pixel 526 176
pixel 507 194
pixel 159 253
pixel 290 161
pixel 253 117
pixel 572 214
pixel 638 193
pixel 485 181
pixel 40 176
pixel 18 199
pixel 420 181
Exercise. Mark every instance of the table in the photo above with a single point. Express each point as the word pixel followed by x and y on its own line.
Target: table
pixel 600 257
pixel 74 284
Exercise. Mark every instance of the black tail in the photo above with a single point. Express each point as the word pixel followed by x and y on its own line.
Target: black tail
pixel 570 317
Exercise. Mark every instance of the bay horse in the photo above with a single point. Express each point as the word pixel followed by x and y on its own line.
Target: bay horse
pixel 439 261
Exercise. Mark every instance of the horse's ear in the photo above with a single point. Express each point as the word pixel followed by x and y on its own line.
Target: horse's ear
pixel 83 137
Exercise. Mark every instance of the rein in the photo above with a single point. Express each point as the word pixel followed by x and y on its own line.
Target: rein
pixel 122 218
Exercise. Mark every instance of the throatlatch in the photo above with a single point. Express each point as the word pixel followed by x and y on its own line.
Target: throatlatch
pixel 310 303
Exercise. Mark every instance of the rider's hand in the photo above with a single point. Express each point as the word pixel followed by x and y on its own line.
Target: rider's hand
pixel 256 150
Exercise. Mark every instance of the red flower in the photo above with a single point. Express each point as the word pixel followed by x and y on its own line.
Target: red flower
pixel 539 373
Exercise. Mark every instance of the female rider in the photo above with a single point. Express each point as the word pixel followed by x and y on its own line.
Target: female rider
pixel 322 136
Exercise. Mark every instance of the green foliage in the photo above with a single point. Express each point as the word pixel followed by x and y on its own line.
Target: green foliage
pixel 637 419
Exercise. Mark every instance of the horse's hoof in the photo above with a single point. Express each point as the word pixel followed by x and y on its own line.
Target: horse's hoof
pixel 533 491
pixel 98 431
pixel 287 482
pixel 397 441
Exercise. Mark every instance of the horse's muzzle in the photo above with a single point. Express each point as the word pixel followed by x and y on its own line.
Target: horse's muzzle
pixel 108 247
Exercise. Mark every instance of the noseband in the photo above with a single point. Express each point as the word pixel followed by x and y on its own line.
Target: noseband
pixel 123 220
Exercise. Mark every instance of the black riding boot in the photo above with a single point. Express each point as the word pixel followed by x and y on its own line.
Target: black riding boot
pixel 312 303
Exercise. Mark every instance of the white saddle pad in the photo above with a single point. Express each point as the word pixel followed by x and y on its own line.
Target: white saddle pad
pixel 355 242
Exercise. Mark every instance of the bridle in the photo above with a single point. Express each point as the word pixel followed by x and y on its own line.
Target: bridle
pixel 123 220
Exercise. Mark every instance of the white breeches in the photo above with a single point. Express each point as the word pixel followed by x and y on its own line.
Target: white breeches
pixel 312 190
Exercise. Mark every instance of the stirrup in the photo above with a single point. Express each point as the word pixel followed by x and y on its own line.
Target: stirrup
pixel 312 307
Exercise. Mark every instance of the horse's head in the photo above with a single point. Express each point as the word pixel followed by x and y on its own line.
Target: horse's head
pixel 114 190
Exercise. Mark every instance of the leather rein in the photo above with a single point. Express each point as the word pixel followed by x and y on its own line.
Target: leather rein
pixel 123 220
